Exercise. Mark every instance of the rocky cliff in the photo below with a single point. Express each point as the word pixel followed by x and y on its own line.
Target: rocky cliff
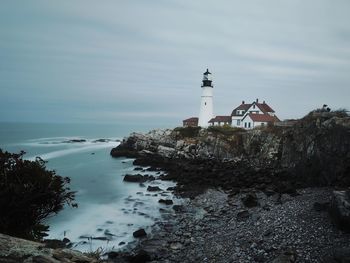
pixel 314 151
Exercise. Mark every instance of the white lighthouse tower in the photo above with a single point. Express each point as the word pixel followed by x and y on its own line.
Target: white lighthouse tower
pixel 206 109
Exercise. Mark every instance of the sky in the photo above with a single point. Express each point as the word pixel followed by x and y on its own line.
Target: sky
pixel 142 61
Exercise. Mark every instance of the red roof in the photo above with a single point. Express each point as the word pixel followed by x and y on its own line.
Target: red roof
pixel 243 106
pixel 262 117
pixel 264 107
pixel 221 119
pixel 191 119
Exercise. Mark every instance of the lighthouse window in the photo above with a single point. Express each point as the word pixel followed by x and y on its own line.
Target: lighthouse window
pixel 205 103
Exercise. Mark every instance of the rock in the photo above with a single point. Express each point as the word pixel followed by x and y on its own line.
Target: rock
pixel 250 200
pixel 178 208
pixel 166 151
pixel 75 141
pixel 319 207
pixel 176 246
pixel 137 178
pixel 287 256
pixel 153 188
pixel 242 215
pixel 141 257
pixel 65 240
pixel 121 243
pixel 113 254
pixel 140 233
pixel 13 250
pixel 101 238
pixel 340 210
pixel 54 243
pixel 44 259
pixel 166 201
pixel 138 169
pixel 102 140
pixel 342 255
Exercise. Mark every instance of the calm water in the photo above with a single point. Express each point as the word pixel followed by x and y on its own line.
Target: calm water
pixel 109 209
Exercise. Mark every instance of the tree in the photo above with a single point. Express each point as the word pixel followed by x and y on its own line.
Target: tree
pixel 29 193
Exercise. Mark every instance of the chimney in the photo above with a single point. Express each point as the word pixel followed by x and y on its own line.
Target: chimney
pixel 242 101
pixel 263 102
pixel 257 100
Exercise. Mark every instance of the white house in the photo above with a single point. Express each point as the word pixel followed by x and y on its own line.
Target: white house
pixel 252 115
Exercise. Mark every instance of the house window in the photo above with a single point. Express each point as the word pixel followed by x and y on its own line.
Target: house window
pixel 262 124
pixel 205 103
pixel 254 106
pixel 238 122
pixel 248 124
pixel 245 125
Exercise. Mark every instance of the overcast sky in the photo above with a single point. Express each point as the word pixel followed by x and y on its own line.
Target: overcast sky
pixel 142 61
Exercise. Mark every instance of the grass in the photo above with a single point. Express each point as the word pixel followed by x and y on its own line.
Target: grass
pixel 186 132
pixel 225 130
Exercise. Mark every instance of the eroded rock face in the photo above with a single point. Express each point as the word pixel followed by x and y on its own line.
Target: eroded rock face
pixel 315 150
pixel 19 250
pixel 340 210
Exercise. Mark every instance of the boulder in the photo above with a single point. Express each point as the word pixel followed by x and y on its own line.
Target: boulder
pixel 287 256
pixel 250 200
pixel 319 207
pixel 166 201
pixel 141 257
pixel 342 255
pixel 137 178
pixel 139 233
pixel 55 243
pixel 166 151
pixel 20 250
pixel 153 189
pixel 242 215
pixel 340 210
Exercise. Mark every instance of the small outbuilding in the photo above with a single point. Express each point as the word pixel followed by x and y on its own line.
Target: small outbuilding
pixel 190 122
pixel 220 121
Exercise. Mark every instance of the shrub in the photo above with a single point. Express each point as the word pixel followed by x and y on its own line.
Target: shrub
pixel 225 130
pixel 29 194
pixel 187 132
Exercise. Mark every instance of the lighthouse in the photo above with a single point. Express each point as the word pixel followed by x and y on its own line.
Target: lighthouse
pixel 206 108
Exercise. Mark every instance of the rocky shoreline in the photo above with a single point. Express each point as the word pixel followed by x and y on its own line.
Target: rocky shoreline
pixel 265 195
pixel 214 227
pixel 278 194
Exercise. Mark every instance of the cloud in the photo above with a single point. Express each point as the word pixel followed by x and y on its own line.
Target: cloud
pixel 83 60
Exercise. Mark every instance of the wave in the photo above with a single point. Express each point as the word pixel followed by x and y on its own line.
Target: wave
pixel 57 141
pixel 75 148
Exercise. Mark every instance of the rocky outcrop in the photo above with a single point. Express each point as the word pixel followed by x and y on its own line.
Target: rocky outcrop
pixel 138 178
pixel 313 152
pixel 340 209
pixel 16 250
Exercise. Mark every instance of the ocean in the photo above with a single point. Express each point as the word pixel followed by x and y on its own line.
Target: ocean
pixel 109 210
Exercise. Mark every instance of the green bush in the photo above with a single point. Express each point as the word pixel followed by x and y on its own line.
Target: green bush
pixel 225 130
pixel 187 132
pixel 29 194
